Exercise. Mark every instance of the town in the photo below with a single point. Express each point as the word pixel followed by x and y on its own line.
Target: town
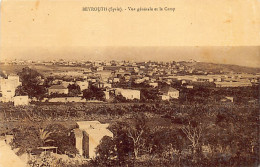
pixel 118 113
pixel 130 80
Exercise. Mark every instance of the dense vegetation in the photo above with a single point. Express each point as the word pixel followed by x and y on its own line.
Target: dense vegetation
pixel 146 134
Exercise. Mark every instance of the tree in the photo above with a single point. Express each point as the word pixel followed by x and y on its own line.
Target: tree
pixel 74 89
pixel 137 131
pixel 149 94
pixel 44 136
pixel 48 81
pixel 121 140
pixel 119 98
pixel 31 83
pixel 106 152
pixel 26 138
pixel 193 133
pixel 21 91
pixel 62 138
pixel 93 93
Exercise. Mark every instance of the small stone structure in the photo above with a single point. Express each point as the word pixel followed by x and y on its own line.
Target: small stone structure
pixel 89 135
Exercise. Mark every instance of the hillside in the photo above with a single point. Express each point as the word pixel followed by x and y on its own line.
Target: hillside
pixel 212 67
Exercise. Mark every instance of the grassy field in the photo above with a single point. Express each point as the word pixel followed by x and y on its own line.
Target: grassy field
pixel 68 114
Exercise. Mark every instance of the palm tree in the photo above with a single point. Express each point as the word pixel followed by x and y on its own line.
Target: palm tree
pixel 45 136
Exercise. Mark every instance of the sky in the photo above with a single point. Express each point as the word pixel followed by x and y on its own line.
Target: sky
pixel 223 31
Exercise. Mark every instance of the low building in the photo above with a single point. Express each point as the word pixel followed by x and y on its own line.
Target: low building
pixel 165 97
pixel 232 84
pixel 227 99
pixel 8 87
pixel 171 92
pixel 153 84
pixel 66 84
pixel 59 89
pixel 100 68
pixel 189 86
pixel 138 81
pixel 104 85
pixel 21 100
pixel 116 80
pixel 8 92
pixel 129 94
pixel 146 78
pixel 89 135
pixel 82 84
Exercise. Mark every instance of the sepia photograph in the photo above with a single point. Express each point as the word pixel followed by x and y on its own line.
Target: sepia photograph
pixel 128 83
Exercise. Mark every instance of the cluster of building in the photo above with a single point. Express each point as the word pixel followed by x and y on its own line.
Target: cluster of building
pixel 128 94
pixel 108 73
pixel 111 75
pixel 219 80
pixel 7 89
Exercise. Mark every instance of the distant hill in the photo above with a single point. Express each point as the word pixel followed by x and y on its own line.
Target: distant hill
pixel 212 67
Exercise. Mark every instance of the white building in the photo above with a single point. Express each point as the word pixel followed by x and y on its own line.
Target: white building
pixel 232 84
pixel 89 135
pixel 153 84
pixel 8 86
pixel 136 69
pixel 165 97
pixel 82 84
pixel 66 84
pixel 59 89
pixel 146 78
pixel 189 86
pixel 139 80
pixel 100 68
pixel 129 94
pixel 21 100
pixel 116 80
pixel 227 98
pixel 171 92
